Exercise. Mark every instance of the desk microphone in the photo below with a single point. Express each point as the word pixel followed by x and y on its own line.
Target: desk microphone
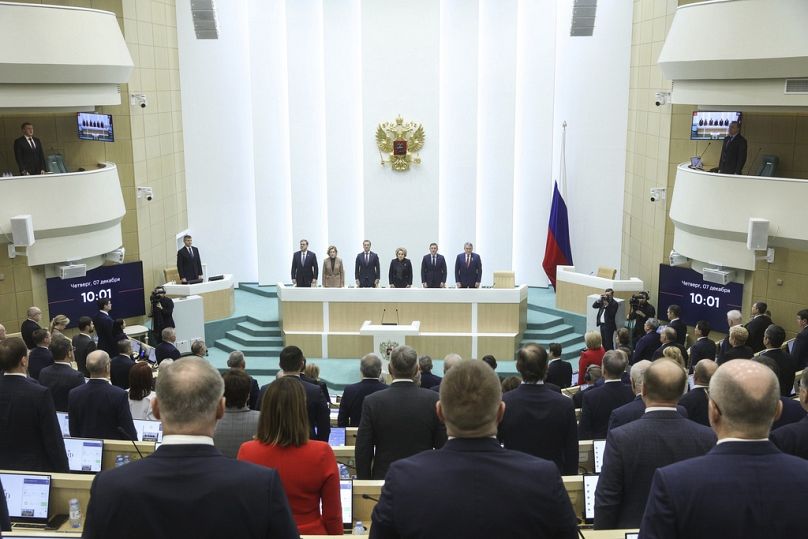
pixel 369 497
pixel 705 150
pixel 128 437
pixel 397 319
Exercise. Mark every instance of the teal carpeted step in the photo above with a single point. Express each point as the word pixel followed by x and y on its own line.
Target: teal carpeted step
pixel 265 350
pixel 266 291
pixel 256 330
pixel 252 341
pixel 554 332
pixel 541 320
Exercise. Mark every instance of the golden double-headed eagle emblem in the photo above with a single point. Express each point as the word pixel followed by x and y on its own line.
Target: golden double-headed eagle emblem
pixel 399 143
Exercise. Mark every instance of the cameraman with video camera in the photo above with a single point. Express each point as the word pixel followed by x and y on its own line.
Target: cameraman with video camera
pixel 607 309
pixel 162 308
pixel 639 311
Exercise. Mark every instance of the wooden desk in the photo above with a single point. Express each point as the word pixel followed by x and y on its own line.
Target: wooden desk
pixel 573 288
pixel 113 448
pixel 218 296
pixel 64 486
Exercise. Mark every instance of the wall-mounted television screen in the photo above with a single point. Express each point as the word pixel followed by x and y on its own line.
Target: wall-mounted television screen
pixel 94 126
pixel 712 125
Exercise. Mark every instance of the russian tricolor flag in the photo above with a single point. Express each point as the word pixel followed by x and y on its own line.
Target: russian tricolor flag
pixel 557 252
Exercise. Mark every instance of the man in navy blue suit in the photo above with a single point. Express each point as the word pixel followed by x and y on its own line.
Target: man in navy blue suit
pixel 61 377
pixel 745 486
pixel 304 266
pixel 367 268
pixel 704 347
pixel 433 269
pixel 597 403
pixel 468 268
pixel 800 350
pixel 792 412
pixel 773 338
pixel 166 349
pixel 648 343
pixel 98 409
pixel 695 400
pixel 793 438
pixel 189 263
pixel 350 406
pixel 635 409
pixel 676 323
pixel 661 436
pixel 103 327
pixel 538 420
pixel 40 355
pixel 527 497
pixel 187 488
pixel 30 437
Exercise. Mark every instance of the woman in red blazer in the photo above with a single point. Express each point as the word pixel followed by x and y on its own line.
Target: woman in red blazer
pixel 308 469
pixel 593 355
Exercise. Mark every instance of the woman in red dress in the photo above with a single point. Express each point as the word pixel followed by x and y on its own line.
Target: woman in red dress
pixel 593 355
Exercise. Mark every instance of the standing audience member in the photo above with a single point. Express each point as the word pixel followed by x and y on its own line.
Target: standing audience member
pixel 598 403
pixel 510 383
pixel 400 274
pixel 674 322
pixel 734 318
pixel 58 325
pixel 559 372
pixel 634 409
pixel 773 338
pixel 529 501
pixel 593 375
pixel 308 468
pixel 491 361
pixel 695 400
pixel 668 340
pixel 675 354
pixel 800 350
pixel 640 312
pixel 312 372
pixel 350 406
pixel 793 438
pixel 744 487
pixel 704 347
pixel 199 349
pixel 187 488
pixel 121 364
pixel 239 423
pixel 29 325
pixel 40 356
pixel 60 377
pixel 757 326
pixel 592 355
pixel 162 313
pixel 236 361
pixel 428 380
pixel 646 345
pixel 607 309
pixel 791 411
pixel 83 344
pixel 450 360
pixel 103 328
pixel 623 337
pixel 141 391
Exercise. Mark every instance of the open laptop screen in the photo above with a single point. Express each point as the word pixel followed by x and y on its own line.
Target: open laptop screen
pixel 590 484
pixel 27 497
pixel 63 423
pixel 346 497
pixel 84 455
pixel 337 436
pixel 598 446
pixel 148 431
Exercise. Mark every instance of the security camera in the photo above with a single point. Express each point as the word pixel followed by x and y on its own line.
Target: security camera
pixel 145 192
pixel 658 193
pixel 662 98
pixel 138 100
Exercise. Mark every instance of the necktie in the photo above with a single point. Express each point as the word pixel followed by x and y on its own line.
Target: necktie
pixel 31 142
pixel 468 260
pixel 366 259
pixel 191 252
pixel 433 260
pixel 303 257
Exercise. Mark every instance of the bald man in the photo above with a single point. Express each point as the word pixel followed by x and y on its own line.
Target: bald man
pixel 745 486
pixel 695 400
pixel 448 362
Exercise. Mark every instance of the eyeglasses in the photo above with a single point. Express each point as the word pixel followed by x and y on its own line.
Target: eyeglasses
pixel 717 408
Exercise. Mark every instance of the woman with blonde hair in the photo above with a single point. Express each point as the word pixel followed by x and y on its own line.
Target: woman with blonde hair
pixel 58 325
pixel 400 274
pixel 673 353
pixel 593 355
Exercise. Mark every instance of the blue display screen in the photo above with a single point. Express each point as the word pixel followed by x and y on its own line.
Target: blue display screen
pixel 698 299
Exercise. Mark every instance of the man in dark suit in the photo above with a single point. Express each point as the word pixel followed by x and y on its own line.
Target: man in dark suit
pixel 99 409
pixel 792 411
pixel 304 266
pixel 526 496
pixel 704 347
pixel 668 339
pixel 40 356
pixel 607 309
pixel 30 325
pixel 733 151
pixel 189 264
pixel 773 338
pixel 187 488
pixel 676 323
pixel 744 487
pixel 800 350
pixel 793 438
pixel 399 421
pixel 433 269
pixel 236 361
pixel 468 268
pixel 103 328
pixel 559 372
pixel 757 326
pixel 635 409
pixel 350 406
pixel 60 377
pixel 640 311
pixel 83 344
pixel 734 318
pixel 695 400
pixel 428 380
pixel 166 349
pixel 30 437
pixel 367 269
pixel 538 421
pixel 121 364
pixel 634 451
pixel 648 343
pixel 28 152
pixel 291 363
pixel 598 403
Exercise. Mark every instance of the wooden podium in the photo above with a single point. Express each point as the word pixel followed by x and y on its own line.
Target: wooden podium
pixel 383 333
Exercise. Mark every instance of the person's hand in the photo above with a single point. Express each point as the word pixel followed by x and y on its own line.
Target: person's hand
pixel 443 285
pixel 294 282
pixel 314 283
pixel 357 282
pixel 376 283
pixel 423 285
pixel 476 285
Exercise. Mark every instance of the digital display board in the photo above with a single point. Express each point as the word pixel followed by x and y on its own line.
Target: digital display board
pixel 77 297
pixel 699 299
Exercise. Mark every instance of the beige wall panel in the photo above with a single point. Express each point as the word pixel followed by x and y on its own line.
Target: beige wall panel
pixel 502 348
pixel 302 316
pixel 349 346
pixel 438 347
pixel 312 345
pixel 497 318
pixel 445 317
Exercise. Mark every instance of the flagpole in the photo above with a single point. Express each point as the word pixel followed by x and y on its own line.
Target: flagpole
pixel 563 160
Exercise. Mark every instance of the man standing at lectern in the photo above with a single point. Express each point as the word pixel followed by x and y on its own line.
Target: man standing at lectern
pixel 189 265
pixel 733 151
pixel 607 309
pixel 433 269
pixel 304 267
pixel 468 268
pixel 28 152
pixel 367 267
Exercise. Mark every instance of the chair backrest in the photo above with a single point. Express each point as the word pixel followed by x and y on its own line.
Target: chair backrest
pixel 768 165
pixel 171 274
pixel 607 273
pixel 56 164
pixel 504 279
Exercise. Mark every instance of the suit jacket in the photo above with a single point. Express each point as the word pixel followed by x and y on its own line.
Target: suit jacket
pixel 611 311
pixel 756 328
pixel 737 352
pixel 528 498
pixel 597 406
pixel 645 347
pixel 681 330
pixel 27 332
pixel 119 370
pixel 429 380
pixel 703 348
pixel 738 489
pixel 166 350
pixel 540 422
pixel 792 412
pixel 103 328
pixel 559 372
pixel 83 345
pixel 97 409
pixel 30 160
pixel 632 455
pixel 659 352
pixel 255 394
pixel 400 273
pixel 786 369
pixel 633 411
pixel 188 491
pixel 800 350
pixel 367 274
pixel 238 425
pixel 333 278
pixel 792 438
pixel 695 402
pixel 38 358
pixel 733 155
pixel 396 423
pixel 5 523
pixel 433 276
pixel 30 437
pixel 350 406
pixel 189 267
pixel 471 275
pixel 316 407
pixel 60 378
pixel 303 273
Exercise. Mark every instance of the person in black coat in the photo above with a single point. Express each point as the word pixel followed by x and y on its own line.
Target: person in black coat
pixel 40 356
pixel 28 152
pixel 60 377
pixel 786 366
pixel 236 361
pixel 400 274
pixel 607 309
pixel 559 372
pixel 30 437
pixel 668 339
pixel 121 364
pixel 367 270
pixel 757 326
pixel 695 400
pixel 30 325
pixel 162 313
pixel 428 380
pixel 646 345
pixel 640 311
pixel 598 403
pixel 704 347
pixel 83 344
pixel 733 151
pixel 166 349
pixel 635 409
pixel 103 323
pixel 353 396
pixel 304 266
pixel 433 269
pixel 189 263
pixel 793 438
pixel 800 350
pixel 676 323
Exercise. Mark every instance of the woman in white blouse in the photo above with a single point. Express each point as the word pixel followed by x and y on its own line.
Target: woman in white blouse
pixel 141 391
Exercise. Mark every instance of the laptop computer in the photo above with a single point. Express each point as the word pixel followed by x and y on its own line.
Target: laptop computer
pixel 84 455
pixel 590 484
pixel 632 535
pixel 28 498
pixel 64 424
pixel 148 431
pixel 337 436
pixel 598 446
pixel 346 497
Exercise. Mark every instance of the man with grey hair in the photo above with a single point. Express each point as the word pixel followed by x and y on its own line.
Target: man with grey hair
pixel 167 349
pixel 526 495
pixel 734 318
pixel 449 361
pixel 793 438
pixel 350 405
pixel 99 409
pixel 236 361
pixel 695 400
pixel 745 486
pixel 597 403
pixel 648 343
pixel 30 325
pixel 199 348
pixel 635 409
pixel 187 488
pixel 468 268
pixel 397 422
pixel 668 339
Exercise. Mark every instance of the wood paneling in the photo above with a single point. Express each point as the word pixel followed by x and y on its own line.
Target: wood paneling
pixel 349 346
pixel 312 345
pixel 303 316
pixel 502 348
pixel 497 318
pixel 443 317
pixel 440 346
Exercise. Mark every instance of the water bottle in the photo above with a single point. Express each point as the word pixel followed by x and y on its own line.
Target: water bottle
pixel 359 528
pixel 75 513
